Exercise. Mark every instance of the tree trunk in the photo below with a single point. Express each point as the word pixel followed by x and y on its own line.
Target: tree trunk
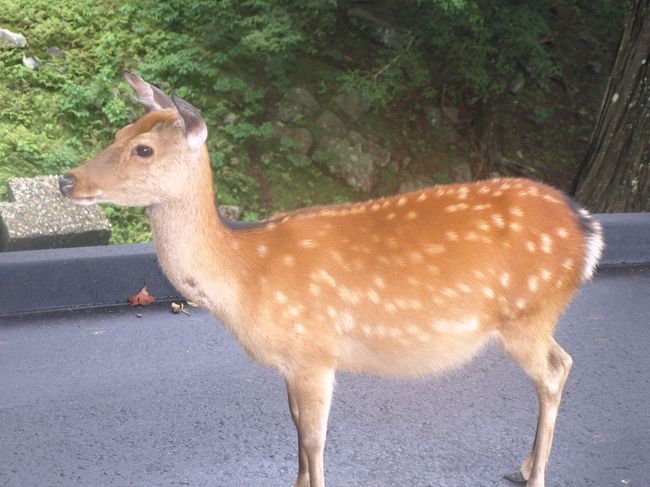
pixel 615 174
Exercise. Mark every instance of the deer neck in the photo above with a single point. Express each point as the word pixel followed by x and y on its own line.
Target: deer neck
pixel 195 250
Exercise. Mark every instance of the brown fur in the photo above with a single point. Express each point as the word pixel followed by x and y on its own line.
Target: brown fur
pixel 404 285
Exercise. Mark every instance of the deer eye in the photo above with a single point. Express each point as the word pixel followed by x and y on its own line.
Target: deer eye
pixel 144 151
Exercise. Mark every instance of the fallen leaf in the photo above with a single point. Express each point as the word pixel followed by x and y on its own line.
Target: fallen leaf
pixel 176 308
pixel 143 298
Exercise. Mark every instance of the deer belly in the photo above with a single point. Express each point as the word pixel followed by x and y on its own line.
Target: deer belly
pixel 411 354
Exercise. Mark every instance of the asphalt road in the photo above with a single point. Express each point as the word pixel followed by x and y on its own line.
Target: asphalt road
pixel 102 397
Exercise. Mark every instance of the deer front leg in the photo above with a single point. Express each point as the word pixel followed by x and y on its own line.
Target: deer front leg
pixel 303 464
pixel 310 396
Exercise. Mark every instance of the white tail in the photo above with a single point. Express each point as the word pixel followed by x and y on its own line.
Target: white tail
pixel 410 284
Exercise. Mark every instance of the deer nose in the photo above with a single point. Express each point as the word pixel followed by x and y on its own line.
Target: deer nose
pixel 66 183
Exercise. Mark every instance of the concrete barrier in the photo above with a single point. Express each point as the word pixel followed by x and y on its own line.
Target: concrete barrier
pixel 37 216
pixel 44 280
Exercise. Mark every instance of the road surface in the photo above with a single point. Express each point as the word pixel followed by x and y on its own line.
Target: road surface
pixel 104 397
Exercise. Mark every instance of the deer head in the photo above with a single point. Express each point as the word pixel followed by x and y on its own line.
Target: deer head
pixel 151 160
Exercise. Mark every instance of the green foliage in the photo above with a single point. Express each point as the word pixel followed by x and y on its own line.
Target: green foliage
pixel 398 73
pixel 222 56
pixel 234 58
pixel 479 44
pixel 133 225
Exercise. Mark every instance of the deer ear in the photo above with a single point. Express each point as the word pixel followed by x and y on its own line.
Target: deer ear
pixel 150 96
pixel 196 132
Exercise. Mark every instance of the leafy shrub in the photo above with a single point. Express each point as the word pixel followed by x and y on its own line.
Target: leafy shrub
pixel 236 57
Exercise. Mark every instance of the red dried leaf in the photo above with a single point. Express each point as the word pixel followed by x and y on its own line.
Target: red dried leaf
pixel 143 298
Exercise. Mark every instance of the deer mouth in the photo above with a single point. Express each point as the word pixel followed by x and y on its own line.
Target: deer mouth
pixel 87 200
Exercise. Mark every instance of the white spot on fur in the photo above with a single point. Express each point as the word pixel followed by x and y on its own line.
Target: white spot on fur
pixel 308 244
pixel 498 220
pixel 390 307
pixel 433 269
pixel 373 296
pixel 383 259
pixel 413 281
pixel 451 235
pixel 299 328
pixel 411 215
pixel 314 290
pixel 505 279
pixel 415 257
pixel 533 283
pixel 348 295
pixel 488 292
pixel 434 249
pixel 331 312
pixel 454 208
pixel 288 260
pixel 450 293
pixel 346 322
pixel 324 276
pixel 281 297
pixel 464 288
pixel 481 207
pixel 262 250
pixel 402 201
pixel 546 243
pixel 548 197
pixel 295 311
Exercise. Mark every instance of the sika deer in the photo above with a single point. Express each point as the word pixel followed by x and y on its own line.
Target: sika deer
pixel 404 285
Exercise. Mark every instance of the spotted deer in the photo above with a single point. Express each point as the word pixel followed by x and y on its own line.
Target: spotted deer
pixel 405 285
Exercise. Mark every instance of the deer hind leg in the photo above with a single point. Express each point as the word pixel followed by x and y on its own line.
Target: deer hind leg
pixel 310 396
pixel 548 365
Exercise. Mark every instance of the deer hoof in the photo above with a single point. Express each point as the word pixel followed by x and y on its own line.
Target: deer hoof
pixel 516 477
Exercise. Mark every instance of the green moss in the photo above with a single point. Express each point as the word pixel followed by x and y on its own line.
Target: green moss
pixel 296 187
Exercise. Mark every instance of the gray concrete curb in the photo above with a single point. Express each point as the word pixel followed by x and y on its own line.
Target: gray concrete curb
pixel 84 277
